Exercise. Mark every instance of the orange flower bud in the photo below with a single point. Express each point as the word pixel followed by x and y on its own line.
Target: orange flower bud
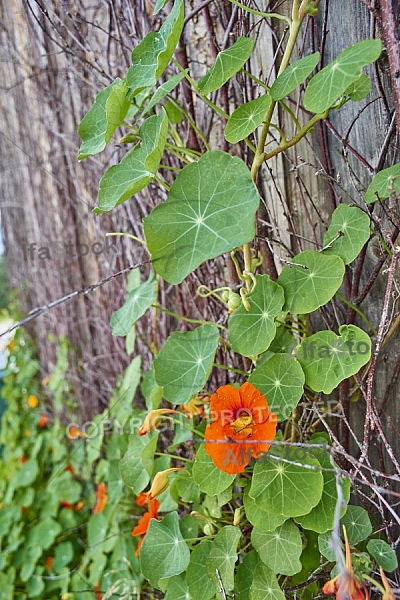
pixel 160 482
pixel 153 419
pixel 195 406
pixel 389 594
pixel 33 401
pixel 43 420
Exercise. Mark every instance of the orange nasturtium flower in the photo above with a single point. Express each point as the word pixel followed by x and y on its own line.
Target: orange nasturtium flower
pixel 33 401
pixel 346 586
pixel 242 424
pixel 101 495
pixel 143 525
pixel 142 499
pixel 43 420
pixel 49 562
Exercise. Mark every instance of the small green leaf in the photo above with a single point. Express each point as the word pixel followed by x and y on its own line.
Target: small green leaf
pixel 184 362
pixel 201 586
pixel 280 549
pixel 333 80
pixel 281 380
pixel 354 225
pixel 63 555
pixel 164 552
pixel 44 533
pixel 328 359
pixel 223 555
pixel 27 474
pixel 382 184
pixel 138 167
pixel 258 516
pixel 210 210
pixel 245 119
pixel 227 63
pixel 325 546
pixel 151 57
pixel 138 301
pixel 106 114
pixel 137 464
pixel 359 89
pixel 287 489
pixel 357 523
pixel 308 289
pixel 163 90
pixel 251 332
pixel 384 555
pixel 208 477
pixel 293 76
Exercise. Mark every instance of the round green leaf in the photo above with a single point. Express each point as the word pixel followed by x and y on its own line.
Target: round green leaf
pixel 281 380
pixel 258 517
pixel 328 359
pixel 210 210
pixel 251 332
pixel 184 362
pixel 359 89
pixel 325 546
pixel 287 489
pixel 177 589
pixel 384 555
pixel 280 550
pixel 308 289
pixel 137 464
pixel 44 533
pixel 332 81
pixel 357 523
pixel 201 586
pixel 30 557
pixel 138 301
pixel 293 76
pixel 354 224
pixel 227 63
pixel 27 474
pixel 63 555
pixel 208 477
pixel 381 185
pixel 223 555
pixel 245 119
pixel 245 575
pixel 265 585
pixel 164 552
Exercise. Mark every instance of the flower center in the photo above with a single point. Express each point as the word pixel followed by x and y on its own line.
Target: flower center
pixel 243 424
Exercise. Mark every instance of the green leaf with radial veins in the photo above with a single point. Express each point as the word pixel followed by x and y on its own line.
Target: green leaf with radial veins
pixel 138 167
pixel 280 549
pixel 308 289
pixel 265 585
pixel 384 555
pixel 287 489
pixel 208 477
pixel 223 555
pixel 333 80
pixel 184 362
pixel 382 184
pixel 263 520
pixel 281 380
pixel 245 575
pixel 210 210
pixel 251 332
pixel 227 63
pixel 163 90
pixel 138 301
pixel 137 464
pixel 151 57
pixel 328 359
pixel 245 119
pixel 164 552
pixel 359 89
pixel 354 224
pixel 106 114
pixel 293 76
pixel 357 523
pixel 201 586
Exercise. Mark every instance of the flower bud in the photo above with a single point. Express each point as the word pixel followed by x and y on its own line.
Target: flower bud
pixel 160 482
pixel 153 419
pixel 234 301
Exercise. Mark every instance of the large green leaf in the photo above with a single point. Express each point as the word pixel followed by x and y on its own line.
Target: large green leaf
pixel 201 585
pixel 164 552
pixel 138 301
pixel 177 589
pixel 258 517
pixel 328 359
pixel 223 555
pixel 138 167
pixel 227 63
pixel 251 332
pixel 280 550
pixel 286 488
pixel 245 119
pixel 245 575
pixel 354 225
pixel 281 380
pixel 265 585
pixel 151 57
pixel 208 477
pixel 332 81
pixel 293 76
pixel 210 210
pixel 308 289
pixel 184 362
pixel 137 464
pixel 382 184
pixel 106 114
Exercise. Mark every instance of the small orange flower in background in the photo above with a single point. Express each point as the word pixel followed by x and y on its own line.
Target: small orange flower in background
pixel 346 586
pixel 102 498
pixel 79 505
pixel 241 425
pixel 22 459
pixel 97 591
pixel 143 525
pixel 44 419
pixel 70 469
pixel 74 432
pixel 10 347
pixel 49 563
pixel 33 401
pixel 142 499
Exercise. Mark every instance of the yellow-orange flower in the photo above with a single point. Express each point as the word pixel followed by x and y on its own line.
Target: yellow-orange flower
pixel 143 525
pixel 33 401
pixel 160 482
pixel 74 432
pixel 195 406
pixel 10 347
pixel 102 498
pixel 142 499
pixel 153 419
pixel 241 429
